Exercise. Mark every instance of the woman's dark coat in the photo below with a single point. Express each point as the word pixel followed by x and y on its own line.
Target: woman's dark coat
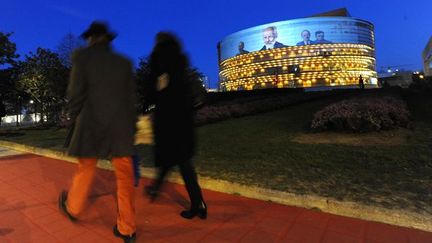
pixel 173 125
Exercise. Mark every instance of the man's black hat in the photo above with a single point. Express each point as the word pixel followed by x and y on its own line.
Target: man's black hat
pixel 98 28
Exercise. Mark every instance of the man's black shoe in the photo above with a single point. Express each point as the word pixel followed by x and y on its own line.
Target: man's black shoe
pixel 62 206
pixel 126 238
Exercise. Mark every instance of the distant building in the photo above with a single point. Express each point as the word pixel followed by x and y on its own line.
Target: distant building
pixel 400 78
pixel 427 58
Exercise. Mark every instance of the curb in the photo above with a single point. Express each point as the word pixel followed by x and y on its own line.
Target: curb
pixel 348 209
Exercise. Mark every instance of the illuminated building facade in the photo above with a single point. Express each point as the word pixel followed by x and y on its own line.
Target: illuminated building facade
pixel 308 52
pixel 427 58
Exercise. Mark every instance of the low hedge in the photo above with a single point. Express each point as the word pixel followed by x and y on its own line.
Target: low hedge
pixel 362 115
pixel 214 113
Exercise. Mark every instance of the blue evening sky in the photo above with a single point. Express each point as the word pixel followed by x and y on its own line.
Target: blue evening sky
pixel 402 28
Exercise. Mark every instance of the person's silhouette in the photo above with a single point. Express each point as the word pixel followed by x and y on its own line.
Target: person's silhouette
pixel 361 83
pixel 101 105
pixel 170 91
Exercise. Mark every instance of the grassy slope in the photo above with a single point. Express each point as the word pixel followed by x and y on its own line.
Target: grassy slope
pixel 258 150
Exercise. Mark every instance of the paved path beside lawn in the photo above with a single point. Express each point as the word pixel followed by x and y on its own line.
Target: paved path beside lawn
pixel 29 186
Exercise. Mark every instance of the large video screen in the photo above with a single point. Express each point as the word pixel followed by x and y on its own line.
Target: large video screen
pixel 298 32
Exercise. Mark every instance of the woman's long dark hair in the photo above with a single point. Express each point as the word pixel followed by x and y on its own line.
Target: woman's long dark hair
pixel 168 57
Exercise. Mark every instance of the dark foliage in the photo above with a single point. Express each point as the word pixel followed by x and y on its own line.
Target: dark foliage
pixel 228 106
pixel 362 115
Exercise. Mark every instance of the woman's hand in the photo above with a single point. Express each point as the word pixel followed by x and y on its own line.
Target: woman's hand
pixel 162 82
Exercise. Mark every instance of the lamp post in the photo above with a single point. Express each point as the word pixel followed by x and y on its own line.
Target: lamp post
pixel 35 118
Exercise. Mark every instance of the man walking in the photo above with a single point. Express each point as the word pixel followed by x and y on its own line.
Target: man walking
pixel 101 107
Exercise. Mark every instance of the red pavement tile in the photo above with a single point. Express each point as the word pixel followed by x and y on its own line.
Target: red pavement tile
pixel 69 232
pixel 19 202
pixel 224 209
pixel 26 168
pixel 101 226
pixel 28 206
pixel 36 179
pixel 347 226
pixel 164 209
pixel 258 236
pixel 59 225
pixel 190 233
pixel 236 212
pixel 42 195
pixel 37 211
pixel 25 231
pixel 49 219
pixel 7 175
pixel 93 238
pixel 23 185
pixel 313 218
pixel 3 239
pixel 304 233
pixel 232 231
pixel 385 233
pixel 212 238
pixel 52 189
pixel 278 219
pixel 333 237
pixel 417 236
pixel 246 218
pixel 10 218
pixel 163 232
pixel 98 210
pixel 7 206
pixel 276 226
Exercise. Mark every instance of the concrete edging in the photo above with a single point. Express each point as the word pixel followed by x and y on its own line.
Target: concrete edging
pixel 349 209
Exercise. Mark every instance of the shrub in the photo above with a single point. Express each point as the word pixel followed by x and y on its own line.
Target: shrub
pixel 239 108
pixel 421 85
pixel 362 115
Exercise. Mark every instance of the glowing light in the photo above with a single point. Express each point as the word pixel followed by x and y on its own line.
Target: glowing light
pixel 312 68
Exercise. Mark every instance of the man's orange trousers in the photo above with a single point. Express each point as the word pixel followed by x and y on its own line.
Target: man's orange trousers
pixel 83 179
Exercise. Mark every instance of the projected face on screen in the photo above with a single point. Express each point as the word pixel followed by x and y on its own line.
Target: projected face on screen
pixel 320 38
pixel 241 49
pixel 305 35
pixel 298 32
pixel 269 36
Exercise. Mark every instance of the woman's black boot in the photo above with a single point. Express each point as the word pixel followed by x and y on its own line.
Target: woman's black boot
pixel 200 211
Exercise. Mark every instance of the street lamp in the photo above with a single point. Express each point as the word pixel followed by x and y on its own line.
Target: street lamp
pixel 35 118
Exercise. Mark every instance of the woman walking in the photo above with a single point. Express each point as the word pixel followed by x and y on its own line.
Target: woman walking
pixel 169 89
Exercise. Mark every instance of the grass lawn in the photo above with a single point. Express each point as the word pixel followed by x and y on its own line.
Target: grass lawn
pixel 265 150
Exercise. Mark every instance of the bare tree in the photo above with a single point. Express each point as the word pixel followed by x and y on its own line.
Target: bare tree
pixel 67 45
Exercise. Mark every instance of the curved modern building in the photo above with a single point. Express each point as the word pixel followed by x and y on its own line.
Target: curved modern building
pixel 427 58
pixel 307 52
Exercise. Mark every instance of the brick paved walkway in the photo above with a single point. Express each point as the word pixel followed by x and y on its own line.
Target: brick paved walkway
pixel 29 186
